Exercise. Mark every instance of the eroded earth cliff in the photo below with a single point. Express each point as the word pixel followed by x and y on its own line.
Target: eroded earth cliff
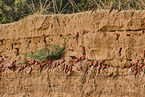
pixel 115 40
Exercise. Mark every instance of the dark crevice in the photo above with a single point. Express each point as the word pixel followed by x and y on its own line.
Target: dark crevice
pixel 120 30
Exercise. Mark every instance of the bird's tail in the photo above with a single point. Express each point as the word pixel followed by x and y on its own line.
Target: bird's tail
pixel 118 11
pixel 110 11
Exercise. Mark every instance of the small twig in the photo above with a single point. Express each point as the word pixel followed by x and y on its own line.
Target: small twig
pixel 33 5
pixel 28 4
pixel 54 3
pixel 64 8
pixel 103 4
pixel 97 4
pixel 74 6
pixel 45 4
pixel 48 5
pixel 85 5
pixel 60 6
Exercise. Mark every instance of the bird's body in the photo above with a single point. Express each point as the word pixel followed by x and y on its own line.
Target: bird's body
pixel 50 61
pixel 142 60
pixel 49 66
pixel 17 51
pixel 33 62
pixel 58 63
pixel 99 67
pixel 66 68
pixel 12 46
pixel 80 58
pixel 54 65
pixel 3 69
pixel 135 72
pixel 77 36
pixel 44 39
pixel 40 67
pixel 2 66
pixel 128 35
pixel 104 67
pixel 84 32
pixel 1 42
pixel 77 60
pixel 83 51
pixel 96 64
pixel 111 9
pixel 63 67
pixel 70 68
pixel 86 69
pixel 12 66
pixel 110 74
pixel 19 69
pixel 83 58
pixel 22 68
pixel 119 9
pixel 2 60
pixel 141 65
pixel 117 36
pixel 92 10
pixel 136 64
pixel 48 52
pixel 91 64
pixel 30 70
pixel 63 61
pixel 119 52
pixel 130 65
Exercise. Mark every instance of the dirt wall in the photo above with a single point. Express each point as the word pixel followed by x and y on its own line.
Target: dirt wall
pixel 99 41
